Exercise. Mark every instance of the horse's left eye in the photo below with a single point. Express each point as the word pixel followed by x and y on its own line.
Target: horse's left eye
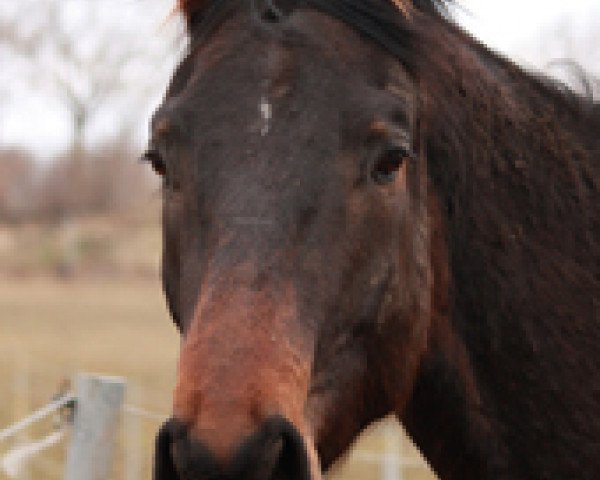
pixel 388 163
pixel 154 158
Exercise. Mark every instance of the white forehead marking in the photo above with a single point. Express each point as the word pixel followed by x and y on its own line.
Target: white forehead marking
pixel 266 112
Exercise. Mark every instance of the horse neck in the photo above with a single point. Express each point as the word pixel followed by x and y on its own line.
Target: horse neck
pixel 509 388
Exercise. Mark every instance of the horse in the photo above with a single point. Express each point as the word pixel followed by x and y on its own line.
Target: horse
pixel 368 212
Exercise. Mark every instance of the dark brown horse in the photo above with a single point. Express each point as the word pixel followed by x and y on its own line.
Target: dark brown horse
pixel 366 211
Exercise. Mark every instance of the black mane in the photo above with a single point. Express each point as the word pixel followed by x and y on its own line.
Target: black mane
pixel 383 22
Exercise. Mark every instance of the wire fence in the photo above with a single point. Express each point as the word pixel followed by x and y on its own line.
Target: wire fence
pixel 41 438
pixel 36 416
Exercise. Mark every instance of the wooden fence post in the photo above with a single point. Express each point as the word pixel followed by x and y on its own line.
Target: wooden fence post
pixel 97 415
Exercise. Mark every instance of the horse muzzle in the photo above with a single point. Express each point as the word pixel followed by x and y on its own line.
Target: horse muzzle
pixel 275 451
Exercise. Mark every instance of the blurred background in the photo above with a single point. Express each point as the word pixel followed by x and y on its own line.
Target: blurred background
pixel 79 215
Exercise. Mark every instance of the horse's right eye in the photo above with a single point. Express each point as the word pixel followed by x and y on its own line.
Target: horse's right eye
pixel 388 163
pixel 154 158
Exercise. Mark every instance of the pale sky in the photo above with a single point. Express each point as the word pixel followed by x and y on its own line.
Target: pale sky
pixel 514 27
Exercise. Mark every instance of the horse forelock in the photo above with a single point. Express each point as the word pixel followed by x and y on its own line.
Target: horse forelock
pixel 194 9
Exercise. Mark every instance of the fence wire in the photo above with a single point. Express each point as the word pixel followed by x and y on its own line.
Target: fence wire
pixel 36 416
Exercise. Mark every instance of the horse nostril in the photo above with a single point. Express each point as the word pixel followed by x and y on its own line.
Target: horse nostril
pixel 275 452
pixel 267 465
pixel 164 467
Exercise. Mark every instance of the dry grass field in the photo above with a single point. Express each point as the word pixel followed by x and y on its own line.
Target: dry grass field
pixel 115 324
pixel 52 330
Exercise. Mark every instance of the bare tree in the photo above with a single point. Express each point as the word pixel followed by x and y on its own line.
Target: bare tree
pixel 568 49
pixel 17 185
pixel 102 59
pixel 86 53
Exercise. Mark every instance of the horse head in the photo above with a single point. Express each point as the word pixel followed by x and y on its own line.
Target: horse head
pixel 295 240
